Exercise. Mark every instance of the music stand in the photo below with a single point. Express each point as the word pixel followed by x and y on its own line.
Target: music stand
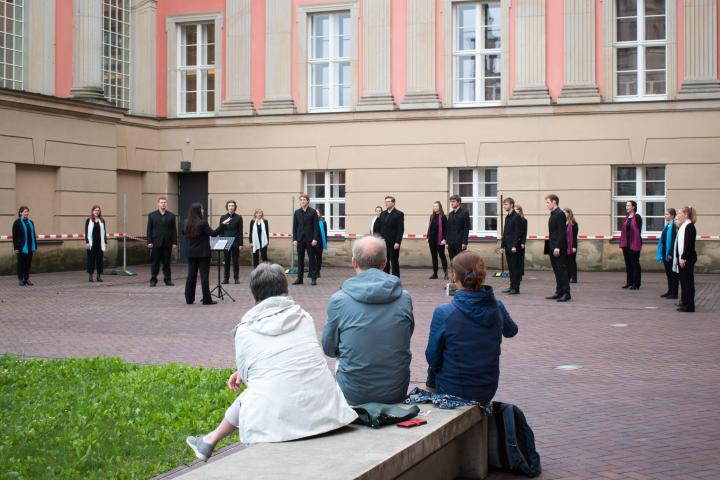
pixel 219 245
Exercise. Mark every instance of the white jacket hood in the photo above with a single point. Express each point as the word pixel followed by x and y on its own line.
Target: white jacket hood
pixel 273 316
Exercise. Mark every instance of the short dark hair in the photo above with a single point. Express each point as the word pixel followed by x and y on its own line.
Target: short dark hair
pixel 457 198
pixel 22 209
pixel 391 198
pixel 229 202
pixel 510 201
pixel 305 196
pixel 268 280
pixel 553 198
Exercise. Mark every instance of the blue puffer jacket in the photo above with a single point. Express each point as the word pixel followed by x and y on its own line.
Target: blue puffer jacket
pixel 463 350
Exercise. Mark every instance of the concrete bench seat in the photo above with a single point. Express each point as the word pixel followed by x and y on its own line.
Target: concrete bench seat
pixel 452 444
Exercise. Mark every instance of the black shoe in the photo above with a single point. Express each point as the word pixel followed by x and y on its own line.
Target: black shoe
pixel 675 296
pixel 633 287
pixel 514 291
pixel 574 280
pixel 29 283
pixel 564 298
pixel 299 281
pixel 313 281
pixel 507 290
pixel 99 279
pixel 445 276
pixel 665 295
pixel 237 281
pixel 90 279
pixel 433 276
pixel 169 283
pixel 21 283
pixel 625 286
pixel 554 297
pixel 211 302
pixel 318 275
pixel 153 283
pixel 685 309
pixel 225 282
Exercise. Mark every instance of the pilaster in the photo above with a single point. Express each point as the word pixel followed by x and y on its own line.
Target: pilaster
pixel 144 58
pixel 278 58
pixel 530 85
pixel 87 50
pixel 40 40
pixel 701 75
pixel 238 36
pixel 376 93
pixel 579 53
pixel 421 88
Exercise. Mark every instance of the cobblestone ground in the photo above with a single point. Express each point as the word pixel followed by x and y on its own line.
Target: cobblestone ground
pixel 643 405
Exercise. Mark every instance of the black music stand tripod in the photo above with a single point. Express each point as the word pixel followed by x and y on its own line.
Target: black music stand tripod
pixel 220 245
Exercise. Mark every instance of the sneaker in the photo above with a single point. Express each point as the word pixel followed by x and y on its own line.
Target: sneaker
pixel 202 450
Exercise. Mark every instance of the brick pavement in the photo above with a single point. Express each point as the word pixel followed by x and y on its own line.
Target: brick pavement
pixel 643 405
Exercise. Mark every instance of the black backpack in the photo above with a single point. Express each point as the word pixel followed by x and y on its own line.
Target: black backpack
pixel 511 443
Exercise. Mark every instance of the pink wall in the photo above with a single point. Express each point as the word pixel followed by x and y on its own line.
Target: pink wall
pixel 398 50
pixel 554 25
pixel 63 47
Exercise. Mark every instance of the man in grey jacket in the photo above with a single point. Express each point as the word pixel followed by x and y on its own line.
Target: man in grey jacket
pixel 370 322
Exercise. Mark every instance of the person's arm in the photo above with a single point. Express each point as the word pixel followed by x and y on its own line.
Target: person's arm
pixel 316 228
pixel 401 228
pixel 239 234
pixel 509 327
pixel 466 227
pixel 436 341
pixel 690 234
pixel 639 222
pixel 331 332
pixel 267 231
pixel 443 219
pixel 17 246
pixel 173 231
pixel 150 230
pixel 576 230
pixel 295 226
pixel 85 232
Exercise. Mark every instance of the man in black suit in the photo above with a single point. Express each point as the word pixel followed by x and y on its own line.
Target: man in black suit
pixel 306 235
pixel 511 244
pixel 233 228
pixel 458 227
pixel 557 248
pixel 162 240
pixel 391 228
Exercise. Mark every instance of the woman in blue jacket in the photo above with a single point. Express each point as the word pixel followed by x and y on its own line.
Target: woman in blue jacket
pixel 463 351
pixel 23 232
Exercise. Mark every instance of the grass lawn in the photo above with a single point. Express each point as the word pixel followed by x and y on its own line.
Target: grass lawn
pixel 103 417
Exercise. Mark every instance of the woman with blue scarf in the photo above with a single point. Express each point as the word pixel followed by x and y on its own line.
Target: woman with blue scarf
pixel 665 251
pixel 23 232
pixel 322 245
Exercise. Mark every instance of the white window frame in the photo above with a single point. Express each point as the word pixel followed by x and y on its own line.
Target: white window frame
pixel 333 62
pixel 15 80
pixel 480 53
pixel 200 69
pixel 477 218
pixel 641 44
pixel 328 200
pixel 640 196
pixel 116 82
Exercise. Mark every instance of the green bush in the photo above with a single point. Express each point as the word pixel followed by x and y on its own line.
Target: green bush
pixel 103 417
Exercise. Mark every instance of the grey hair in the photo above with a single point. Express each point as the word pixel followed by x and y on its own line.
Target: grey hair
pixel 268 281
pixel 369 252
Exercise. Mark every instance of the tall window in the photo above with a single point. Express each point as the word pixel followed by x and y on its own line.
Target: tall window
pixel 478 189
pixel 116 52
pixel 477 53
pixel 329 62
pixel 327 195
pixel 641 49
pixel 11 44
pixel 646 186
pixel 196 68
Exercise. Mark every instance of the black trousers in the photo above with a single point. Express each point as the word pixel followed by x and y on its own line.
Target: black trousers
pixel 318 249
pixel 687 285
pixel 435 252
pixel 23 266
pixel 572 266
pixel 562 281
pixel 234 255
pixel 522 263
pixel 393 260
pixel 453 250
pixel 203 265
pixel 514 261
pixel 259 255
pixel 95 260
pixel 672 279
pixel 632 267
pixel 160 255
pixel 303 247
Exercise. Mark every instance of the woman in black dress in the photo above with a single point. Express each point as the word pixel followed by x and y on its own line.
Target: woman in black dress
pixel 96 242
pixel 437 230
pixel 259 235
pixel 572 239
pixel 685 257
pixel 198 233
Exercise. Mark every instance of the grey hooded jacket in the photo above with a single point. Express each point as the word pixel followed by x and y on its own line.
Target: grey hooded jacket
pixel 370 322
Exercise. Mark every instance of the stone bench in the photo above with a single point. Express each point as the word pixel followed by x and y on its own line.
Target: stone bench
pixel 452 444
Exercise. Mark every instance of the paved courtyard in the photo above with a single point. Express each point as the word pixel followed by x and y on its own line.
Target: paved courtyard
pixel 643 405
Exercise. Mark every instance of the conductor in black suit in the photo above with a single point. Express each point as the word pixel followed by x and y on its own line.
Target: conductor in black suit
pixel 512 240
pixel 233 228
pixel 162 240
pixel 557 249
pixel 458 227
pixel 306 235
pixel 391 228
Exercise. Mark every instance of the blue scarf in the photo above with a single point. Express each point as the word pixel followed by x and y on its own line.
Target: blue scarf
pixel 31 236
pixel 322 234
pixel 668 244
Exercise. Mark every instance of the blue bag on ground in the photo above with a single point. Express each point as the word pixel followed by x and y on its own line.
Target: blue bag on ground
pixel 511 443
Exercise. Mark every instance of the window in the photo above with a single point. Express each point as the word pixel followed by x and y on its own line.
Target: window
pixel 478 189
pixel 11 44
pixel 641 49
pixel 196 68
pixel 476 53
pixel 646 186
pixel 329 62
pixel 326 189
pixel 116 52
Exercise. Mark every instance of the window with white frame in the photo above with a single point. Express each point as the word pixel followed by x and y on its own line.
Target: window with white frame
pixel 478 189
pixel 641 49
pixel 326 189
pixel 116 52
pixel 11 44
pixel 196 68
pixel 329 62
pixel 644 185
pixel 476 53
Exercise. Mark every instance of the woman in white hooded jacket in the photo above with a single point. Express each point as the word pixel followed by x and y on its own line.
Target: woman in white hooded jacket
pixel 290 392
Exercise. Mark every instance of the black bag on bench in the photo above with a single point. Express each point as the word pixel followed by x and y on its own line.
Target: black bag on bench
pixel 511 443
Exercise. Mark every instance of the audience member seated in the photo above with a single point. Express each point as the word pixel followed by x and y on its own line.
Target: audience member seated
pixel 370 322
pixel 463 351
pixel 290 390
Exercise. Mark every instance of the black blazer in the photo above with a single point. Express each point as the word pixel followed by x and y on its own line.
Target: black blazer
pixel 432 232
pixel 305 225
pixel 523 231
pixel 199 247
pixel 512 233
pixel 575 230
pixel 663 242
pixel 232 229
pixel 689 254
pixel 556 230
pixel 162 229
pixel 264 226
pixel 392 226
pixel 18 234
pixel 458 227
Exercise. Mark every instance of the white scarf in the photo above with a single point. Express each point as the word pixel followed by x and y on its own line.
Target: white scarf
pixel 372 225
pixel 679 246
pixel 89 237
pixel 258 243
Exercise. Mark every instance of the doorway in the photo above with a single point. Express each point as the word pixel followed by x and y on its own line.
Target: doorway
pixel 192 187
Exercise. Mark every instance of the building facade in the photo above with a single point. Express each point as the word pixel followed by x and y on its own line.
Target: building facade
pixel 597 101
